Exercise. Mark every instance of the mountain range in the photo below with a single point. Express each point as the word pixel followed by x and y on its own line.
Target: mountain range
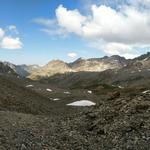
pixel 39 114
pixel 22 70
pixel 86 65
pixel 80 65
pixel 119 72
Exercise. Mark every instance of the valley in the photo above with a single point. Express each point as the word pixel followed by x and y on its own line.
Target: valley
pixel 81 108
pixel 75 75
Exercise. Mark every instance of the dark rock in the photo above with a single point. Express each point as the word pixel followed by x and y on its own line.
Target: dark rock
pixel 114 95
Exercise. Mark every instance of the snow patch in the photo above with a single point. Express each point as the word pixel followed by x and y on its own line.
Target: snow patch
pixel 30 85
pixel 147 91
pixel 145 59
pixel 48 90
pixel 90 92
pixel 56 99
pixel 121 87
pixel 82 103
pixel 67 93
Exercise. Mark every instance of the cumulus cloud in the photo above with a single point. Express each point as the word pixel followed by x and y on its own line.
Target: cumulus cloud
pixel 128 51
pixel 107 24
pixel 118 30
pixel 112 26
pixel 74 21
pixel 9 42
pixel 72 55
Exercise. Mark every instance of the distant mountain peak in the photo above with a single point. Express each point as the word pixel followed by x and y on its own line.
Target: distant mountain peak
pixel 84 65
pixel 5 69
pixel 98 64
pixel 117 57
pixel 144 56
pixel 55 63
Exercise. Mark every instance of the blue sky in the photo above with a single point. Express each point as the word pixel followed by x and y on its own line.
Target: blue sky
pixel 26 38
pixel 37 46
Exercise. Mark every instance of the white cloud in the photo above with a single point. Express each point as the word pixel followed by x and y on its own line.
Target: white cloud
pixel 117 48
pixel 10 43
pixel 72 20
pixel 7 41
pixel 2 32
pixel 130 55
pixel 107 24
pixel 120 31
pixel 121 49
pixel 72 54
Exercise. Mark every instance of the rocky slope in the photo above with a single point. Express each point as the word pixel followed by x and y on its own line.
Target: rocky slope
pixel 99 64
pixel 5 69
pixel 81 65
pixel 50 69
pixel 22 70
pixel 119 123
pixel 141 62
pixel 87 65
pixel 37 116
pixel 116 122
pixel 136 71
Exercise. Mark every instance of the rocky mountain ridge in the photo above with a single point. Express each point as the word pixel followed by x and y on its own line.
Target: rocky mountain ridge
pixel 38 115
pixel 22 70
pixel 5 69
pixel 99 64
pixel 86 65
pixel 135 72
pixel 54 67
